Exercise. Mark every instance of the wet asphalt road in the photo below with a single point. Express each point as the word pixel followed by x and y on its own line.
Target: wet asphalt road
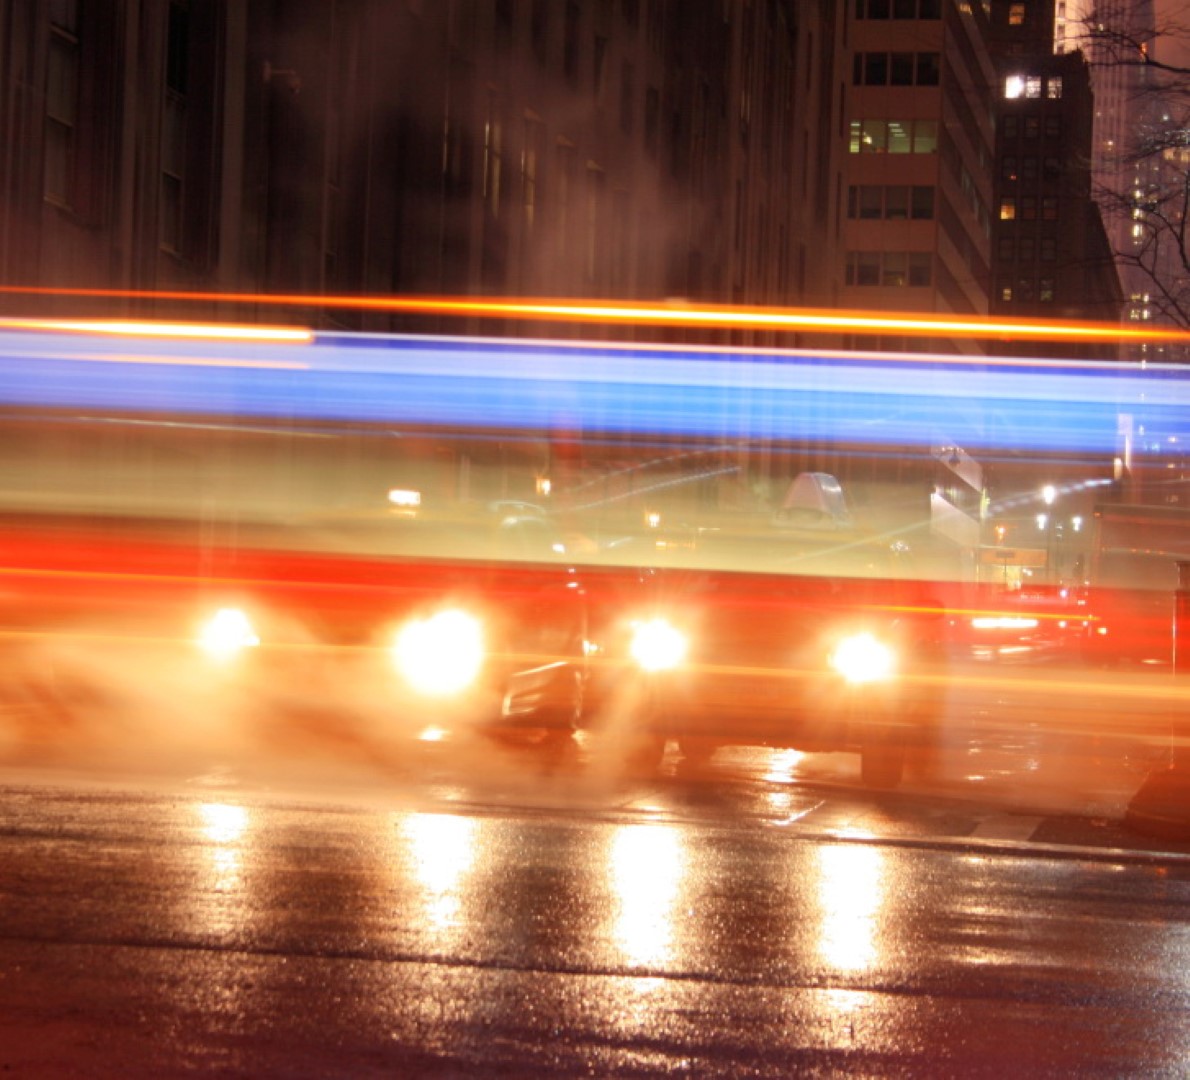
pixel 676 928
pixel 321 905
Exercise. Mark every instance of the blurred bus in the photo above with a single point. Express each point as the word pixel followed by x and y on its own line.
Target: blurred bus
pixel 681 545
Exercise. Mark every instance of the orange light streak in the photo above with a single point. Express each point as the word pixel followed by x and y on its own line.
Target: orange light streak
pixel 711 316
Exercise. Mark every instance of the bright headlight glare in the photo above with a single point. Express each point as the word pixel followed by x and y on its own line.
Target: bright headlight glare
pixel 227 633
pixel 657 645
pixel 861 658
pixel 442 654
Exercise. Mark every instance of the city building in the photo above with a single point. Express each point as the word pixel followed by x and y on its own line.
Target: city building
pixel 1051 254
pixel 598 148
pixel 916 235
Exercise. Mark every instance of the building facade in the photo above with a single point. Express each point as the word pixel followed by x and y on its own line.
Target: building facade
pixel 1051 254
pixel 918 199
pixel 595 148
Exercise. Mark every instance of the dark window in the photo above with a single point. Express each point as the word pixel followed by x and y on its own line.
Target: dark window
pixel 927 69
pixel 652 120
pixel 870 201
pixel 1045 290
pixel 904 9
pixel 539 28
pixel 1051 169
pixel 875 69
pixel 896 203
pixel 627 97
pixel 1049 209
pixel 1008 167
pixel 1053 127
pixel 901 69
pixel 61 103
pixel 920 268
pixel 1011 127
pixel 929 9
pixel 895 270
pixel 1026 249
pixel 1028 208
pixel 923 203
pixel 1005 248
pixel 1029 168
pixel 1048 248
pixel 173 135
pixel 570 42
pixel 598 63
pixel 1032 127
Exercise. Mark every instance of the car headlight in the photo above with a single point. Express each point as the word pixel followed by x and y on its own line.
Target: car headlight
pixel 657 645
pixel 442 654
pixel 227 633
pixel 861 658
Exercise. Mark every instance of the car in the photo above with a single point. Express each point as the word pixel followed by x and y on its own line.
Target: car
pixel 821 659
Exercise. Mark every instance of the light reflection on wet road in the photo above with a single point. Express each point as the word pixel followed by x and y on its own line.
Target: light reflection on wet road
pixel 466 912
pixel 146 934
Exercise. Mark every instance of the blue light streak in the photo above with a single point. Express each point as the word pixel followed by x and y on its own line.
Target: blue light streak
pixel 491 385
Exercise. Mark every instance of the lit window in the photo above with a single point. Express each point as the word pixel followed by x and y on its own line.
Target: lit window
pixel 1014 86
pixel 1008 209
pixel 925 136
pixel 1016 14
pixel 1033 86
pixel 1053 88
pixel 1045 290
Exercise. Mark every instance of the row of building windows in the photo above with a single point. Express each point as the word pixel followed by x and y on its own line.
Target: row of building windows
pixel 1031 127
pixel 895 69
pixel 1030 168
pixel 1032 86
pixel 890 202
pixel 1027 248
pixel 1026 290
pixel 898 9
pixel 896 268
pixel 1025 208
pixel 894 137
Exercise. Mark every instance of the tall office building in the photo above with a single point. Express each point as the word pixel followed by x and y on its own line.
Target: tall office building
pixel 918 165
pixel 1051 254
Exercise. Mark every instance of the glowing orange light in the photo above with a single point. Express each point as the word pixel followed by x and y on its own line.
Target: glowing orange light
pixel 674 313
pixel 190 331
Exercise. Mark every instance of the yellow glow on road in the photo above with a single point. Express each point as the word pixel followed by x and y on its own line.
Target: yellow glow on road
pixel 646 873
pixel 850 896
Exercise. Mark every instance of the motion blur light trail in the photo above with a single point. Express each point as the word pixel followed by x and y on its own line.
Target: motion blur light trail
pixel 672 313
pixel 502 384
pixel 139 328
